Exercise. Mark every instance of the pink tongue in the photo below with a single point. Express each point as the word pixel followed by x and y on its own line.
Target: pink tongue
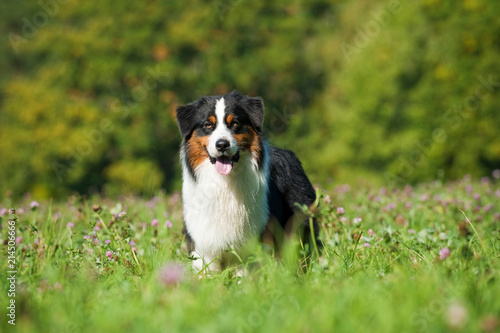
pixel 223 165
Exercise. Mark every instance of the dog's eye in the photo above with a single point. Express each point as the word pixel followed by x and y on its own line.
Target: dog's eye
pixel 207 124
pixel 234 124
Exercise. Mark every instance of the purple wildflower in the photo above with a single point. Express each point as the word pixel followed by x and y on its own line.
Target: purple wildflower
pixel 477 196
pixel 356 220
pixel 171 274
pixel 70 225
pixel 340 210
pixel 90 251
pixel 3 212
pixel 469 189
pixel 343 219
pixel 154 223
pixel 34 205
pixel 371 232
pixel 497 193
pixel 107 241
pixel 408 205
pixel 152 203
pixel 496 216
pixel 496 173
pixel 96 228
pixel 168 224
pixel 411 231
pixel 424 197
pixel 58 286
pixel 19 239
pixel 485 181
pixel 366 244
pixel 343 188
pixel 12 211
pixel 109 254
pixel 488 207
pixel 174 199
pixel 86 237
pixel 444 253
pixel 122 214
pixel 391 206
pixel 131 243
pixel 456 315
pixel 408 189
pixel 327 199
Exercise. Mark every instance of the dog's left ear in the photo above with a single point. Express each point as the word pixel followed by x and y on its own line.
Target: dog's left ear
pixel 255 109
pixel 185 118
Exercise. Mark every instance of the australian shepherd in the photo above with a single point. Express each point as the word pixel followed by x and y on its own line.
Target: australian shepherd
pixel 236 186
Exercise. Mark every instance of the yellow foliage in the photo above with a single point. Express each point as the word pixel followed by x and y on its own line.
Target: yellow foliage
pixel 138 176
pixel 443 72
pixel 472 5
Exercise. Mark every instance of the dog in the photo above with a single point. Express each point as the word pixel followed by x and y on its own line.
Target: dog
pixel 236 187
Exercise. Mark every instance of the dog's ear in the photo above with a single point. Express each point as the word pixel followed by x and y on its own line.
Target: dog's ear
pixel 255 109
pixel 186 118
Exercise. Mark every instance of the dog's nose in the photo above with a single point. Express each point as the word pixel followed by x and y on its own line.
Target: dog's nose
pixel 222 145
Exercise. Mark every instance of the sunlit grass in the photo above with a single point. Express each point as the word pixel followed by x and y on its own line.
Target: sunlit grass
pixel 414 260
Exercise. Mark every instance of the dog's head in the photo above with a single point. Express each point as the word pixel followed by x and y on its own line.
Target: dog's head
pixel 219 128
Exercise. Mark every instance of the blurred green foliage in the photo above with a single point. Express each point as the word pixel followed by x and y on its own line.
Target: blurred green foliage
pixel 383 91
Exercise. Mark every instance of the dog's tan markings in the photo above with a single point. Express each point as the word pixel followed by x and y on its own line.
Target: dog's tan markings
pixel 250 141
pixel 196 150
pixel 212 119
pixel 229 119
pixel 256 146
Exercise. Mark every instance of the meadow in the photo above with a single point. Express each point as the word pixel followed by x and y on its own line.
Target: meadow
pixel 417 259
pixel 368 93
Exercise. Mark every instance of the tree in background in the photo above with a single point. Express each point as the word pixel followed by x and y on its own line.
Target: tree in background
pixel 412 93
pixel 377 90
pixel 89 100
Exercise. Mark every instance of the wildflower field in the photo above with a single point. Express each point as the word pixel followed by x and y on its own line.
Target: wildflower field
pixel 421 259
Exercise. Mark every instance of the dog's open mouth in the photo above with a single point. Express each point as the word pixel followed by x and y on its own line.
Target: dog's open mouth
pixel 224 164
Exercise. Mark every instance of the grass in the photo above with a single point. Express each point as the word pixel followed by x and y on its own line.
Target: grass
pixel 381 269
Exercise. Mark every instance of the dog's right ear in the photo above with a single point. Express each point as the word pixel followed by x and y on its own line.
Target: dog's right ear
pixel 186 118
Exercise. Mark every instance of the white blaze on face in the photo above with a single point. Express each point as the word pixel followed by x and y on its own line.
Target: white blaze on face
pixel 221 132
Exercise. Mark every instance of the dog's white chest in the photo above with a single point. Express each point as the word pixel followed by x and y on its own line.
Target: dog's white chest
pixel 220 211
